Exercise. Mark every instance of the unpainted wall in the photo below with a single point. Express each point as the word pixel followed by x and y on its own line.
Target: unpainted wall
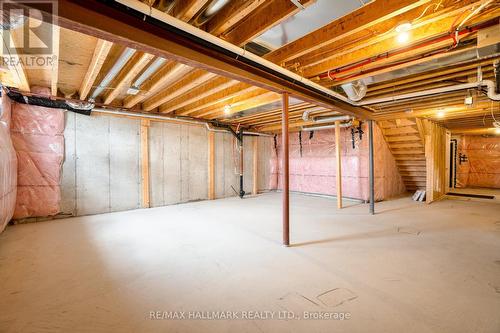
pixel 102 172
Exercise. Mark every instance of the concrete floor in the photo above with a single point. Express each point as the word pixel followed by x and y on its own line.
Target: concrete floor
pixel 411 268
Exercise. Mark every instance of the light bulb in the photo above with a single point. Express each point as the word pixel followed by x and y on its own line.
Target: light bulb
pixel 227 109
pixel 403 37
pixel 403 34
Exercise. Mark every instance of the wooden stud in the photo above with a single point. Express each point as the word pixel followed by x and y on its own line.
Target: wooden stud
pixel 255 189
pixel 129 72
pixel 100 53
pixel 16 67
pixel 339 164
pixel 211 165
pixel 167 75
pixel 54 78
pixel 145 162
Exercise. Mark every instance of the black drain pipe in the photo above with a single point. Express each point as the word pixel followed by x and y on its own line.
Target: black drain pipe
pixel 240 145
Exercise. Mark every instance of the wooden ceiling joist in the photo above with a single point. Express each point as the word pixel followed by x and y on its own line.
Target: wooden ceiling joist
pixel 129 72
pixel 271 13
pixel 100 53
pixel 103 21
pixel 360 19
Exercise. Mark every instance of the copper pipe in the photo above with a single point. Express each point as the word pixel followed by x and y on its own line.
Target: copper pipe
pixel 285 174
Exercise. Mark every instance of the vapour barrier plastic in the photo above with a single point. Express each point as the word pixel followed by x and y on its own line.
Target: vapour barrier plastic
pixel 314 169
pixel 8 166
pixel 37 136
pixel 483 166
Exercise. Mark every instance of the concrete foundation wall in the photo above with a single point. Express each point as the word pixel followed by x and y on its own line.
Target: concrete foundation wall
pixel 101 170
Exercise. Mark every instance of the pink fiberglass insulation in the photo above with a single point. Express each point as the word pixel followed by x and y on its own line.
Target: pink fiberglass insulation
pixel 314 171
pixel 37 135
pixel 8 166
pixel 483 166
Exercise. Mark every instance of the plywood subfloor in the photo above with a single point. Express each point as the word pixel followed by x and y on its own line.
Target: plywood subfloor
pixel 411 268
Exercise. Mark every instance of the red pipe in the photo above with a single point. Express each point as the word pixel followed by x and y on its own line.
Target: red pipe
pixel 333 74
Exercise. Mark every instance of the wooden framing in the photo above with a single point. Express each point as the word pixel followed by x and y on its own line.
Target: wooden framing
pixel 100 53
pixel 95 18
pixel 145 163
pixel 255 169
pixel 339 164
pixel 131 70
pixel 211 165
pixel 435 155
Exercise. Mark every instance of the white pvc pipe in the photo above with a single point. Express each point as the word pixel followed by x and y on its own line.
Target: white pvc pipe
pixel 318 128
pixel 165 118
pixel 490 85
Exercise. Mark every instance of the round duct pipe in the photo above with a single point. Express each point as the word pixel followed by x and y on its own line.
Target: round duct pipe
pixel 355 90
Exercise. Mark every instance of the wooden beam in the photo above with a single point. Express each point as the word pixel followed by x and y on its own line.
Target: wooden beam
pixel 255 188
pixel 54 78
pixel 127 74
pixel 360 19
pixel 211 165
pixel 418 35
pixel 219 99
pixel 185 10
pixel 167 75
pixel 199 93
pixel 231 14
pixel 145 162
pixel 339 164
pixel 187 83
pixel 476 131
pixel 381 31
pixel 102 20
pixel 15 64
pixel 260 100
pixel 260 20
pixel 100 53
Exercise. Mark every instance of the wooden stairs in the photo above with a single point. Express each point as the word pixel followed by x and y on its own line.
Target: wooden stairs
pixel 406 141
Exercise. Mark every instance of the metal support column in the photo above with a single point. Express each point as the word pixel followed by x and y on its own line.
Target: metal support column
pixel 285 174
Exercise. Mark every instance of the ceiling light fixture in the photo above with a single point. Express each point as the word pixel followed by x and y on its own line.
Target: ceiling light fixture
pixel 227 110
pixel 441 114
pixel 403 32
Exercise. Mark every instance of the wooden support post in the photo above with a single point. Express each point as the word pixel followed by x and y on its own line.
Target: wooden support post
pixel 339 164
pixel 285 171
pixel 145 162
pixel 255 188
pixel 211 165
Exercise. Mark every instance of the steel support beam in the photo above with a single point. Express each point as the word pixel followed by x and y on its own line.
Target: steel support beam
pixel 285 171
